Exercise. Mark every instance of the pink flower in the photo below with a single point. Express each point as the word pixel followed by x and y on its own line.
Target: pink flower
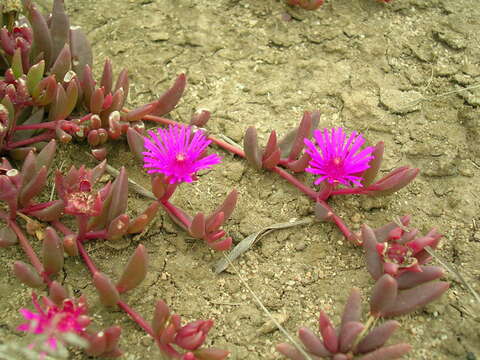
pixel 178 153
pixel 336 158
pixel 75 189
pixel 54 321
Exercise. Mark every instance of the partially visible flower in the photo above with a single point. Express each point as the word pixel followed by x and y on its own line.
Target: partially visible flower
pixel 336 158
pixel 53 321
pixel 178 153
pixel 75 189
pixel 399 255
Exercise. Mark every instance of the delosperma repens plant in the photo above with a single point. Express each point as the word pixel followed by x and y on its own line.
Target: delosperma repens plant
pixel 48 94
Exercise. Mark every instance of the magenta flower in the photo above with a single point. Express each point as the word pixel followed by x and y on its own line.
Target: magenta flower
pixel 178 153
pixel 336 158
pixel 54 321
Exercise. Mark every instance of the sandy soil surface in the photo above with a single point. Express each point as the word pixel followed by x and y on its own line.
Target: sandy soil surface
pixel 407 73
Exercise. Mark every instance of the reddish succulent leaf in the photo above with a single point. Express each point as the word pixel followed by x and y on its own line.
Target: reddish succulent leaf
pixel 70 245
pixel 118 227
pixel 171 97
pixel 393 182
pixel 100 154
pixel 135 271
pixel 352 310
pixel 374 262
pixel 59 27
pixel 160 317
pixel 52 252
pixel 27 275
pixel 141 221
pixel 251 149
pixel 29 167
pixel 200 118
pixel 81 52
pixel 291 352
pixel 370 174
pixel 88 85
pixel 112 336
pixel 411 299
pixel 222 245
pixel 50 213
pixel 312 342
pixel 138 113
pixel 33 187
pixel 72 93
pixel 214 223
pixel 383 232
pixel 322 212
pixel 350 332
pixel 107 291
pixel 197 227
pixel 302 132
pixel 211 354
pixel 107 76
pixel 7 237
pixel 271 161
pixel 330 339
pixel 41 33
pixel 388 353
pixel 271 146
pixel 135 142
pixel 97 344
pixel 384 295
pixel 226 207
pixel 119 195
pixel 122 83
pixel 306 4
pixel 57 293
pixel 300 164
pixel 62 64
pixel 411 279
pixel 377 337
pixel 96 101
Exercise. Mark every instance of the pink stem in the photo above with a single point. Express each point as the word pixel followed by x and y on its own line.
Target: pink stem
pixel 82 221
pixel 93 269
pixel 136 317
pixel 98 234
pixel 27 248
pixel 62 227
pixel 341 225
pixel 175 212
pixel 221 143
pixel 294 181
pixel 86 258
pixel 84 118
pixel 42 137
pixel 47 125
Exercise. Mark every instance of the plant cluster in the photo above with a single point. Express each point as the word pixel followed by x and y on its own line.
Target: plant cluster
pixel 47 93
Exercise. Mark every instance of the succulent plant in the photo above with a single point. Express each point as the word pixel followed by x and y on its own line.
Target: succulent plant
pixel 351 340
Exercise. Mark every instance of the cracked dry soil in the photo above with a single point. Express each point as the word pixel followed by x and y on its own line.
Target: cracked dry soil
pixel 407 73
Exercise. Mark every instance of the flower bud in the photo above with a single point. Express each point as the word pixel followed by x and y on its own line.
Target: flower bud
pixel 193 335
